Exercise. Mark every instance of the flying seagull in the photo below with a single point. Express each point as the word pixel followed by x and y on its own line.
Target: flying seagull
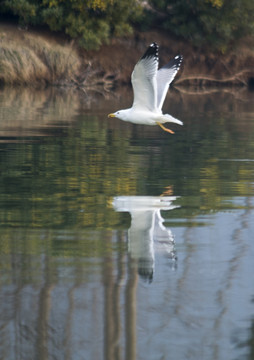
pixel 150 87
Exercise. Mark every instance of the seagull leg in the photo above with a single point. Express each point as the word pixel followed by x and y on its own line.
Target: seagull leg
pixel 164 128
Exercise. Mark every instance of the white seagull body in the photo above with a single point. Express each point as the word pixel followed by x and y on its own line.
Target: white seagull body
pixel 150 87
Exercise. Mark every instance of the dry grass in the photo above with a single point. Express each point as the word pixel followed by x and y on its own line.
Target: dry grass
pixel 31 59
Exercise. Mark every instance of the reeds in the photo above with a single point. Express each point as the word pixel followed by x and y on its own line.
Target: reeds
pixel 34 60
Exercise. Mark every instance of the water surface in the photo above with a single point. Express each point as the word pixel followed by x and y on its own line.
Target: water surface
pixel 121 241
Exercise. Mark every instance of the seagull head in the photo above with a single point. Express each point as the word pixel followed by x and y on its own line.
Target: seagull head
pixel 120 114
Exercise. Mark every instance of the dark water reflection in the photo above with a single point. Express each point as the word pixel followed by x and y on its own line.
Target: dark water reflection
pixel 121 241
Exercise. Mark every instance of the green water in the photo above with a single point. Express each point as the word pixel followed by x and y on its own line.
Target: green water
pixel 75 282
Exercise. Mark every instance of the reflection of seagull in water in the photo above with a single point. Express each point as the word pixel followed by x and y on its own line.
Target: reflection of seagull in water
pixel 150 87
pixel 147 229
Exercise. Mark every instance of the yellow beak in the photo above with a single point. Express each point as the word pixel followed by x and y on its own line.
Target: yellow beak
pixel 111 115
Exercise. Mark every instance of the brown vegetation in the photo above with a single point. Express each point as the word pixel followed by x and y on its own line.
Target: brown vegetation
pixel 199 68
pixel 38 58
pixel 31 59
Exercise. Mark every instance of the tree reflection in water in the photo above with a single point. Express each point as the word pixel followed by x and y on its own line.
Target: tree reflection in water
pixel 69 287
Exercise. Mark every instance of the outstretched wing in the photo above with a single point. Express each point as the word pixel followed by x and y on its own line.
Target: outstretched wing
pixel 165 76
pixel 143 80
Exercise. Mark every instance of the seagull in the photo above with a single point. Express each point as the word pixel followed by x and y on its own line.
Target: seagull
pixel 150 87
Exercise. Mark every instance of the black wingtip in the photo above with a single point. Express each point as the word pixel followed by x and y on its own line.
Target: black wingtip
pixel 178 61
pixel 152 51
pixel 174 63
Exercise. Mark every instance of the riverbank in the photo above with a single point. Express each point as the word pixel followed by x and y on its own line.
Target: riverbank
pixel 199 68
pixel 39 58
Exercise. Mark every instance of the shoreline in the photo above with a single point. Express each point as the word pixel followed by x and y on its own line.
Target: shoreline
pixel 40 58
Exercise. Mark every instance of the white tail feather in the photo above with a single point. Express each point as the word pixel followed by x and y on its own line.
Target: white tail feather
pixel 168 118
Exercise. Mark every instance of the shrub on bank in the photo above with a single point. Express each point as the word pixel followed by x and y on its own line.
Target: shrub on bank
pixel 213 23
pixel 92 22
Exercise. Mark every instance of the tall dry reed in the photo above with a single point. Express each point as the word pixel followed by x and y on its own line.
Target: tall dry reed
pixel 34 60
